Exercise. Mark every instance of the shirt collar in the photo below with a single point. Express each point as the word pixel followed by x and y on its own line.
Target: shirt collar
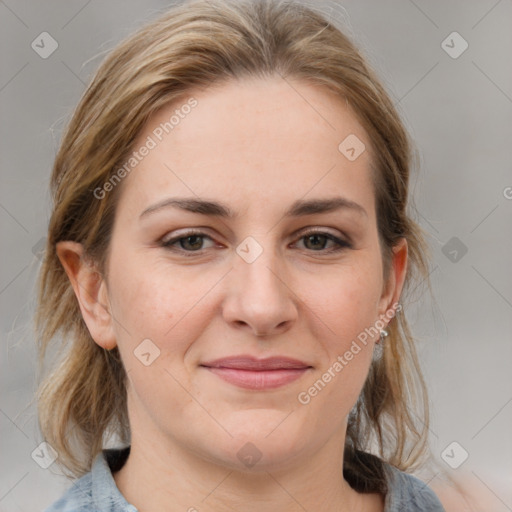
pixel 106 495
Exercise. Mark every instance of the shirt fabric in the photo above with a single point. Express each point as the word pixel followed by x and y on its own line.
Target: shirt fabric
pixel 97 491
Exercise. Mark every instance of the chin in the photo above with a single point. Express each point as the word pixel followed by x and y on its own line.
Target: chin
pixel 265 440
pixel 257 457
pixel 265 425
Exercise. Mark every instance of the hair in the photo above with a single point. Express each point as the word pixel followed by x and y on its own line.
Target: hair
pixel 82 402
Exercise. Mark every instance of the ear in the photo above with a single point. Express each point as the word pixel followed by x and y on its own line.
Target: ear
pixel 393 287
pixel 91 291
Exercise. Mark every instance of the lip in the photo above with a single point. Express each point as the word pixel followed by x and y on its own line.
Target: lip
pixel 251 373
pixel 247 362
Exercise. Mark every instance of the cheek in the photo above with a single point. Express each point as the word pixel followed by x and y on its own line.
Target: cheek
pixel 344 313
pixel 141 304
pixel 345 302
pixel 144 304
pixel 153 305
pixel 158 303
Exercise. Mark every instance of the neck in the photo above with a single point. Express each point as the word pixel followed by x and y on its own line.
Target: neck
pixel 163 474
pixel 168 478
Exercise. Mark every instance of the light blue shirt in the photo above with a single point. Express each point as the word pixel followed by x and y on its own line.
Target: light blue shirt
pixel 96 491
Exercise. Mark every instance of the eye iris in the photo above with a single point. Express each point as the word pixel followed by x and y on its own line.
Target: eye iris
pixel 198 239
pixel 315 238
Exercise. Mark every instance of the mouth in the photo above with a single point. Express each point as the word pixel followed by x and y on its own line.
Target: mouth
pixel 251 373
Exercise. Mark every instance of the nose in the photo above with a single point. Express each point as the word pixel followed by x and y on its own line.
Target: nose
pixel 259 298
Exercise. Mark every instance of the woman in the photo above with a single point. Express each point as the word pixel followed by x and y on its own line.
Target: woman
pixel 227 260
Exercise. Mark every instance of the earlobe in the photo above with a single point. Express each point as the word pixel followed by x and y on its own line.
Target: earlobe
pixel 90 290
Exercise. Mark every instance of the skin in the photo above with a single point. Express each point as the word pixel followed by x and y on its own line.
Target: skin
pixel 256 145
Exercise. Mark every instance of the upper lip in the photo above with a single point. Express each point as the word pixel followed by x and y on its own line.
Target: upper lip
pixel 246 362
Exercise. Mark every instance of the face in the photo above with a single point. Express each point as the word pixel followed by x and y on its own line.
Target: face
pixel 274 278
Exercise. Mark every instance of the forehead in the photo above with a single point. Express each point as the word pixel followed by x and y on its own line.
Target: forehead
pixel 254 141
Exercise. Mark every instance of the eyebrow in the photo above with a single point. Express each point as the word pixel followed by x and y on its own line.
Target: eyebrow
pixel 299 208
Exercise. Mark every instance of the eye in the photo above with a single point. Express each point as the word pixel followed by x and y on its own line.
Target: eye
pixel 192 241
pixel 316 240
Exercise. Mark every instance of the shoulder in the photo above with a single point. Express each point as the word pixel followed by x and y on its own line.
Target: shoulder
pixel 96 491
pixel 407 493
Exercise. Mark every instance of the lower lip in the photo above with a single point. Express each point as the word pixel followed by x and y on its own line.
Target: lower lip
pixel 263 379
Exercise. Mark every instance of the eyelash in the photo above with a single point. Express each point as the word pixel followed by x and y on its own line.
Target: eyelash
pixel 341 244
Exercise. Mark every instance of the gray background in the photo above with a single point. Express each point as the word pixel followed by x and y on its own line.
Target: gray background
pixel 459 112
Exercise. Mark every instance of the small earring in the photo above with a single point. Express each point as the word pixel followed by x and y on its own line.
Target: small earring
pixel 383 334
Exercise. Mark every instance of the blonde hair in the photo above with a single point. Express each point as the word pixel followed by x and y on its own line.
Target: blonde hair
pixel 82 402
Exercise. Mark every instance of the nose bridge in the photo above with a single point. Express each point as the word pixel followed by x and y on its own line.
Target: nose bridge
pixel 259 296
pixel 262 277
